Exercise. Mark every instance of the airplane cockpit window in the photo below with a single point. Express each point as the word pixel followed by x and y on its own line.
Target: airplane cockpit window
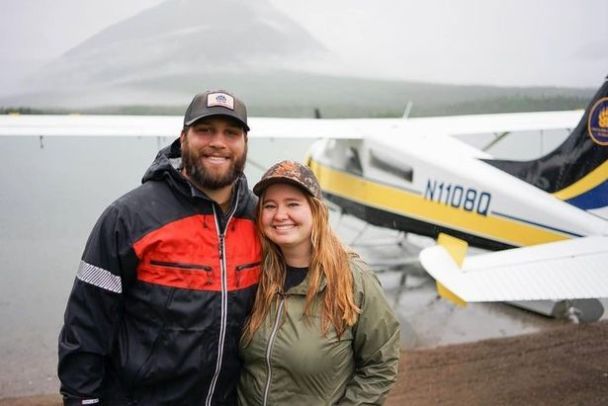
pixel 344 155
pixel 391 166
pixel 353 162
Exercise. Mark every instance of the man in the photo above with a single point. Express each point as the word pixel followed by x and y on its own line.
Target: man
pixel 168 275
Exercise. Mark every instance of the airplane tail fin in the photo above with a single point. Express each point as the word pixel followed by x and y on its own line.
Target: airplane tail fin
pixel 577 171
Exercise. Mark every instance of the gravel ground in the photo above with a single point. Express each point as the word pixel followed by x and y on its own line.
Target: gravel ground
pixel 564 365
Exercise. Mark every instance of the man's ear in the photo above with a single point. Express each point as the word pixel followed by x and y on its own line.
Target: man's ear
pixel 182 137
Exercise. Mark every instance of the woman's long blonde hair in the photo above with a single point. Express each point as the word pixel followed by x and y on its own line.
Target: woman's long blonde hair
pixel 330 261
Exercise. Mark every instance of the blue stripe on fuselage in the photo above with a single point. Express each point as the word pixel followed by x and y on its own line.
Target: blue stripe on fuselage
pixel 593 198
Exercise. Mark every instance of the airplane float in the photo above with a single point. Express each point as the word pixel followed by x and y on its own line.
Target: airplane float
pixel 547 218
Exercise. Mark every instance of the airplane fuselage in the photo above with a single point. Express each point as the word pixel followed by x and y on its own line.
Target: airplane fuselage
pixel 419 184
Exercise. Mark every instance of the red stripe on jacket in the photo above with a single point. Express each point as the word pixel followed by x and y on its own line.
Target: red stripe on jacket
pixel 185 254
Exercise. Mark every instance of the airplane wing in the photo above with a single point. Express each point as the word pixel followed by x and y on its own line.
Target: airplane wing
pixel 571 269
pixel 170 126
pixel 499 123
pixel 89 125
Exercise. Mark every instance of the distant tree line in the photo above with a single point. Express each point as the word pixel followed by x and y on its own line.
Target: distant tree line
pixel 386 108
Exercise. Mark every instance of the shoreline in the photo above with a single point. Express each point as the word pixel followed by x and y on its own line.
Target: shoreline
pixel 567 364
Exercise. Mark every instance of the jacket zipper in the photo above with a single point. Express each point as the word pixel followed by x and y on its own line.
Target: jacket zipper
pixel 182 265
pixel 271 339
pixel 249 265
pixel 240 268
pixel 224 306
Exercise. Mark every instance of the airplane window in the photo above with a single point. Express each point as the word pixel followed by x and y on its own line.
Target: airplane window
pixel 400 170
pixel 353 162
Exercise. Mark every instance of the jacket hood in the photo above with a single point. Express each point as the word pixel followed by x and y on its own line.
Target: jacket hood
pixel 167 162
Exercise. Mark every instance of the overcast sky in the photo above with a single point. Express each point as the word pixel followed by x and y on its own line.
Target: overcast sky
pixel 500 42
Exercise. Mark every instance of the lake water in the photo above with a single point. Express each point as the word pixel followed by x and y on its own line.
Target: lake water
pixel 52 191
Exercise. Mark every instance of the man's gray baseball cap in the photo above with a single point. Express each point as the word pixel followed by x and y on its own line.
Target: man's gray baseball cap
pixel 216 103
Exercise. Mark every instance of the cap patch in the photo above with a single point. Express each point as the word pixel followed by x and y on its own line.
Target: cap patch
pixel 221 100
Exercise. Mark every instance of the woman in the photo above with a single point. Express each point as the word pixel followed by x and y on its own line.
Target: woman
pixel 321 331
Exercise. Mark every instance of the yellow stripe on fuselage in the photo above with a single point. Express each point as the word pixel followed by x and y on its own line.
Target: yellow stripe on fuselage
pixel 592 179
pixel 412 205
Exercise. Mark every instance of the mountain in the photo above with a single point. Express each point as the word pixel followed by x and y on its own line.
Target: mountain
pixel 155 61
pixel 178 38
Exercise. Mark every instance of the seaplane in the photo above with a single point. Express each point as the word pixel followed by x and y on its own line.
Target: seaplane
pixel 542 222
pixel 547 218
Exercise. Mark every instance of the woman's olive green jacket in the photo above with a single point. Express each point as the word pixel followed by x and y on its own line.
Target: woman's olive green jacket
pixel 290 362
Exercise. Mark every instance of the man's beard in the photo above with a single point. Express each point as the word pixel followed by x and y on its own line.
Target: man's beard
pixel 195 170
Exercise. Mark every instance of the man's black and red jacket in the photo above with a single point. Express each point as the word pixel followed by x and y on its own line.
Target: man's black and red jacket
pixel 163 289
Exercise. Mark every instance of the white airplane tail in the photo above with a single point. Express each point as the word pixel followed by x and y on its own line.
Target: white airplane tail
pixel 577 171
pixel 553 279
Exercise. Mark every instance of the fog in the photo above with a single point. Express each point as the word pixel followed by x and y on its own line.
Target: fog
pixel 514 43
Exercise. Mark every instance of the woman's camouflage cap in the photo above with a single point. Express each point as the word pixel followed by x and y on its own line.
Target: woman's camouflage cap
pixel 293 173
